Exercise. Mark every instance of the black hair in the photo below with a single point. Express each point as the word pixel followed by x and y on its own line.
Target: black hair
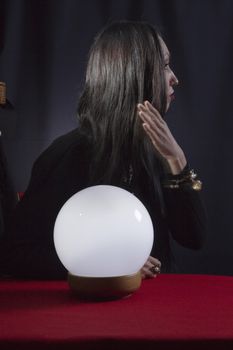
pixel 125 67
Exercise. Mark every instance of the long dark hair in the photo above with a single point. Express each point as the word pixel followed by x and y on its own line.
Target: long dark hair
pixel 125 67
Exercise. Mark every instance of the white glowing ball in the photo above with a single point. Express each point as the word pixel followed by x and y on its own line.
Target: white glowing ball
pixel 103 231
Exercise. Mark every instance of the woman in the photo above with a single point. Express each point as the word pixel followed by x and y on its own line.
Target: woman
pixel 122 140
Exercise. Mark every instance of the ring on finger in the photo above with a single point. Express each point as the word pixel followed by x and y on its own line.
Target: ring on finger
pixel 155 269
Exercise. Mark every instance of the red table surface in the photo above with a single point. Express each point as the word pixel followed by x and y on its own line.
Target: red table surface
pixel 168 312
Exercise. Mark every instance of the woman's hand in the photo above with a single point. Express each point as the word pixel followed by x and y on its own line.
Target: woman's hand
pixel 151 268
pixel 161 137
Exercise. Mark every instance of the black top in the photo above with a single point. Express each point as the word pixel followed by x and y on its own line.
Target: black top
pixel 61 171
pixel 8 197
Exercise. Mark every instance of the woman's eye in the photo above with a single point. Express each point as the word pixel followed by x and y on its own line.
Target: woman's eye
pixel 166 65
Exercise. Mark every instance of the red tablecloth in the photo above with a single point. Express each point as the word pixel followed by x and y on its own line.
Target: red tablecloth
pixel 169 312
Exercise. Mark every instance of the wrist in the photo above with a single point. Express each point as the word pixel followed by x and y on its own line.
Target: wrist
pixel 176 164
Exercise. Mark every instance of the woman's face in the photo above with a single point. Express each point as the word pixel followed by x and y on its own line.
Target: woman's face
pixel 170 78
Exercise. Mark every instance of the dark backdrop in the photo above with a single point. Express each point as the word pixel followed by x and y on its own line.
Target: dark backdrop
pixel 44 45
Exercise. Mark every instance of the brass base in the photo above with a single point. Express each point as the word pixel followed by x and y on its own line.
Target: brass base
pixel 104 287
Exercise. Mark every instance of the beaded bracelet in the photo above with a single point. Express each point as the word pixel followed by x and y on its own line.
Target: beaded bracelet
pixel 189 178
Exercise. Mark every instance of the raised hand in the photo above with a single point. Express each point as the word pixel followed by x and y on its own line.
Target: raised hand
pixel 161 137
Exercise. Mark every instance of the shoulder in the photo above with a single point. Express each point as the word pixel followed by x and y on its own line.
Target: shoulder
pixel 66 153
pixel 72 137
pixel 63 143
pixel 73 140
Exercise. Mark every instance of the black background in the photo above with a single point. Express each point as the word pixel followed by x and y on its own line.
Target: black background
pixel 43 51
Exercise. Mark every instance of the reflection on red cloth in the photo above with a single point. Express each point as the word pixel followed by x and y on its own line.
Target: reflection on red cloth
pixel 169 312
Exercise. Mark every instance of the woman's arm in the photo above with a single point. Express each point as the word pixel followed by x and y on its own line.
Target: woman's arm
pixel 185 211
pixel 186 216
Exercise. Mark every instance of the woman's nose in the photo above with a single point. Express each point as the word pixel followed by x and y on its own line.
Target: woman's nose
pixel 174 80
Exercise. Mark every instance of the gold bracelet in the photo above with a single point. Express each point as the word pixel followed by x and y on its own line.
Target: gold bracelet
pixel 189 178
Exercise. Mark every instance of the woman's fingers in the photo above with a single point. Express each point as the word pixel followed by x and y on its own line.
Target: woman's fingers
pixel 148 108
pixel 154 111
pixel 158 130
pixel 154 261
pixel 151 116
pixel 150 120
pixel 146 273
pixel 157 139
pixel 151 268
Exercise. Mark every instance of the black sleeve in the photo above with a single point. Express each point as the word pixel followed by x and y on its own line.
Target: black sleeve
pixel 28 250
pixel 186 216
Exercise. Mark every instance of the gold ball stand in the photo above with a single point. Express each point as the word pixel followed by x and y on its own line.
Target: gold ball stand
pixel 104 287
